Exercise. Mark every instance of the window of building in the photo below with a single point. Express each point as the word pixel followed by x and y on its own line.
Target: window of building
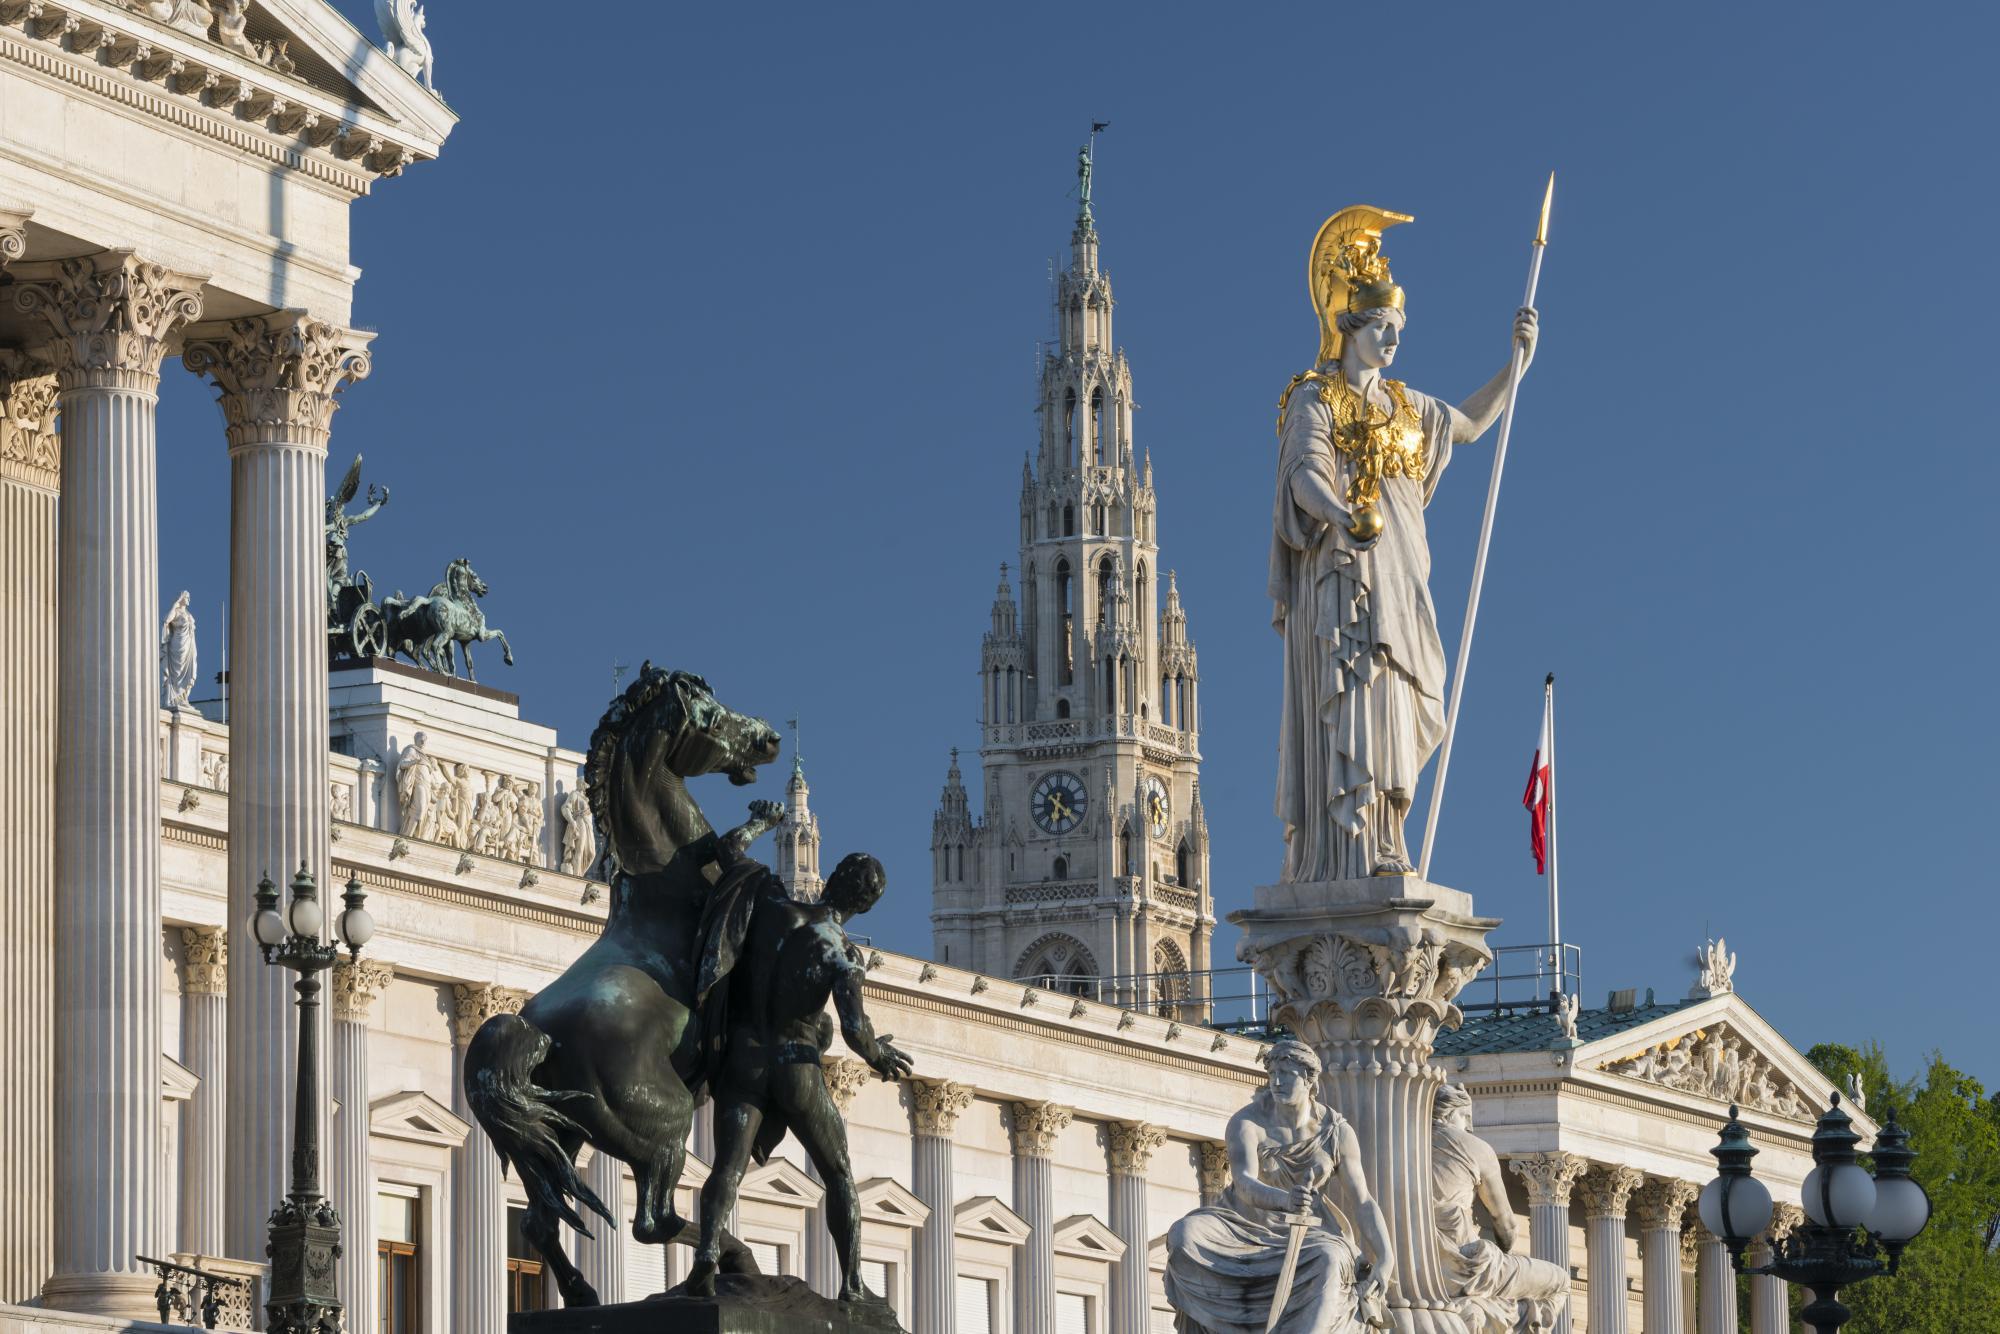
pixel 879 1277
pixel 771 1257
pixel 1073 1314
pixel 1065 663
pixel 1062 708
pixel 1125 852
pixel 1097 424
pixel 1061 871
pixel 975 1305
pixel 527 1284
pixel 1069 428
pixel 397 1282
pixel 1069 521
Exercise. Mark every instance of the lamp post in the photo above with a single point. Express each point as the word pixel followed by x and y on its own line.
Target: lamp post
pixel 1856 1225
pixel 305 1230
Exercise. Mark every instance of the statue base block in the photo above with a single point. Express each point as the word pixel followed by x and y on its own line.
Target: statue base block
pixel 743 1304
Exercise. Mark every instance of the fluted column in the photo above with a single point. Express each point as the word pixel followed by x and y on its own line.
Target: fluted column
pixel 1715 1286
pixel 844 1078
pixel 204 1051
pixel 1771 1298
pixel 1550 1177
pixel 30 464
pixel 1036 1127
pixel 1661 1206
pixel 1130 1146
pixel 1211 1171
pixel 935 1106
pixel 356 984
pixel 111 315
pixel 1606 1192
pixel 277 375
pixel 1365 971
pixel 601 1256
pixel 478 1203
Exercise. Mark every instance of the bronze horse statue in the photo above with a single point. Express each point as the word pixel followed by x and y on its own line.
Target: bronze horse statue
pixel 607 1053
pixel 427 629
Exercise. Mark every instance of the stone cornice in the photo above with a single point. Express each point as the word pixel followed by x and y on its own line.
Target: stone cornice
pixel 278 375
pixel 197 86
pixel 111 315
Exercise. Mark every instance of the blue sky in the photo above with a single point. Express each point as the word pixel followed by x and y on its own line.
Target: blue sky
pixel 711 339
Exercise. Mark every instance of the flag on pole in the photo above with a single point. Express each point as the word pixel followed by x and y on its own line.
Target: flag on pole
pixel 1540 781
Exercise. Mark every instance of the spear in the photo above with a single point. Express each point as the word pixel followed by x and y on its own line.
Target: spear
pixel 1485 539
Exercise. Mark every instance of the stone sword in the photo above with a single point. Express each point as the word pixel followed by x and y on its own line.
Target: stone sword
pixel 1290 1272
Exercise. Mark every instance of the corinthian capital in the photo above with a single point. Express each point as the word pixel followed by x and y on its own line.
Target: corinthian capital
pixel 1549 1176
pixel 473 1003
pixel 1784 1218
pixel 278 375
pixel 13 234
pixel 111 313
pixel 30 445
pixel 1131 1145
pixel 1664 1203
pixel 1397 980
pixel 356 984
pixel 1212 1170
pixel 1036 1127
pixel 1607 1190
pixel 844 1078
pixel 936 1104
pixel 205 960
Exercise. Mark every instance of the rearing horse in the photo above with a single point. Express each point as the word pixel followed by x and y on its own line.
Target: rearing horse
pixel 604 1054
pixel 426 629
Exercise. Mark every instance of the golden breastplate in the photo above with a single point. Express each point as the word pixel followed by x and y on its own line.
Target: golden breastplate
pixel 1380 444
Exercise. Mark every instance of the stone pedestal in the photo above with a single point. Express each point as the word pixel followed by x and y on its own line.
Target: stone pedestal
pixel 1365 971
pixel 742 1305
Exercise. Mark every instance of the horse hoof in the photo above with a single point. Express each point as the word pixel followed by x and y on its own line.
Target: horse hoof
pixel 700 1280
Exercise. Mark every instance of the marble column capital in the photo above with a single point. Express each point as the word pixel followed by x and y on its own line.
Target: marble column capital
pixel 1606 1190
pixel 1036 1126
pixel 278 375
pixel 473 1003
pixel 844 1078
pixel 356 984
pixel 936 1105
pixel 1663 1202
pixel 1692 1240
pixel 1550 1177
pixel 1130 1145
pixel 112 315
pixel 30 444
pixel 205 960
pixel 1211 1169
pixel 13 234
pixel 1784 1218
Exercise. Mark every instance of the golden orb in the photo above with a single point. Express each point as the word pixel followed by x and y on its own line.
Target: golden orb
pixel 1367 525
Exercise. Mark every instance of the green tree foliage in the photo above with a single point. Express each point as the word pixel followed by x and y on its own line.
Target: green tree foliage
pixel 1949 1282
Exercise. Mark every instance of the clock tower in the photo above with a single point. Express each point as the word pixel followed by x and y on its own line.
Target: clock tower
pixel 1087 866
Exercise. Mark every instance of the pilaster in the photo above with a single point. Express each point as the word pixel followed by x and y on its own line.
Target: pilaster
pixel 1130 1146
pixel 1036 1126
pixel 110 317
pixel 1550 1178
pixel 355 986
pixel 1606 1192
pixel 1662 1206
pixel 277 375
pixel 204 1051
pixel 479 1204
pixel 935 1106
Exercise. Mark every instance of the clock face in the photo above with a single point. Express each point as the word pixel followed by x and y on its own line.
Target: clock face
pixel 1159 807
pixel 1058 802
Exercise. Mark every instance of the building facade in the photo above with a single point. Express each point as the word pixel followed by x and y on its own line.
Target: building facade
pixel 1087 863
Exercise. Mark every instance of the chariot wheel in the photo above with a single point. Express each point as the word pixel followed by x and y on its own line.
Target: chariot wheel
pixel 368 632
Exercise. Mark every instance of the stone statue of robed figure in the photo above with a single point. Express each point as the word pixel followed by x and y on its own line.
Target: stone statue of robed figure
pixel 1359 457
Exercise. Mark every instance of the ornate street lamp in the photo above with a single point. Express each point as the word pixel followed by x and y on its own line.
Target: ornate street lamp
pixel 1852 1222
pixel 305 1230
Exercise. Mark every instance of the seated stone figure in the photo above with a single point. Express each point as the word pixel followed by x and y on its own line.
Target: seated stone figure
pixel 1498 1292
pixel 1224 1261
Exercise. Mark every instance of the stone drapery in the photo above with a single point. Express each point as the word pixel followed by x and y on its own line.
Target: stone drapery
pixel 277 375
pixel 478 1203
pixel 1607 1191
pixel 355 985
pixel 935 1106
pixel 110 317
pixel 1662 1207
pixel 1550 1178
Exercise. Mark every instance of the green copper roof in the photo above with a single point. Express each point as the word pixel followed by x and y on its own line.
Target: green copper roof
pixel 1504 1031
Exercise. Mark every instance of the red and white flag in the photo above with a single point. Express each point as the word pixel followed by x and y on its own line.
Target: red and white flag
pixel 1536 798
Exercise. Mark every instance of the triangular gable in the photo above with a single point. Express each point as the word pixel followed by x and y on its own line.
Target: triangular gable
pixel 984 1218
pixel 884 1200
pixel 177 1082
pixel 781 1181
pixel 356 60
pixel 1721 1049
pixel 417 1118
pixel 1156 1254
pixel 1084 1237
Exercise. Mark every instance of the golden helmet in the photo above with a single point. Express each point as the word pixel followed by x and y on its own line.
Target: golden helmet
pixel 1348 272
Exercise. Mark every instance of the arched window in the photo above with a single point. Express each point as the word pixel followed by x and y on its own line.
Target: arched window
pixel 1069 521
pixel 1058 963
pixel 1184 865
pixel 1061 869
pixel 1065 663
pixel 1097 425
pixel 1171 987
pixel 1125 852
pixel 1069 428
pixel 1107 573
pixel 1062 708
pixel 1141 594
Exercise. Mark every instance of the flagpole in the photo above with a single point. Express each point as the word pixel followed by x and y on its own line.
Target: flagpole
pixel 1555 893
pixel 1514 371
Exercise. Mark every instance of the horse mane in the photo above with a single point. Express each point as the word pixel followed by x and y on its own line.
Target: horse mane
pixel 627 712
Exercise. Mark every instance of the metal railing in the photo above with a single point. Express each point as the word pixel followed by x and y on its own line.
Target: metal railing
pixel 1236 1000
pixel 1525 978
pixel 191 1293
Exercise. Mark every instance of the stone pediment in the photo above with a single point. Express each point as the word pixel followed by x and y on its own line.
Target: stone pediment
pixel 1083 1236
pixel 984 1218
pixel 295 83
pixel 782 1181
pixel 884 1200
pixel 417 1117
pixel 1716 1049
pixel 177 1082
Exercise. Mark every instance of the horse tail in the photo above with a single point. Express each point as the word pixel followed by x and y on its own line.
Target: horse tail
pixel 523 1119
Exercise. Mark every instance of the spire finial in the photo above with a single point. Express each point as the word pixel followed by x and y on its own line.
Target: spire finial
pixel 1086 158
pixel 798 759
